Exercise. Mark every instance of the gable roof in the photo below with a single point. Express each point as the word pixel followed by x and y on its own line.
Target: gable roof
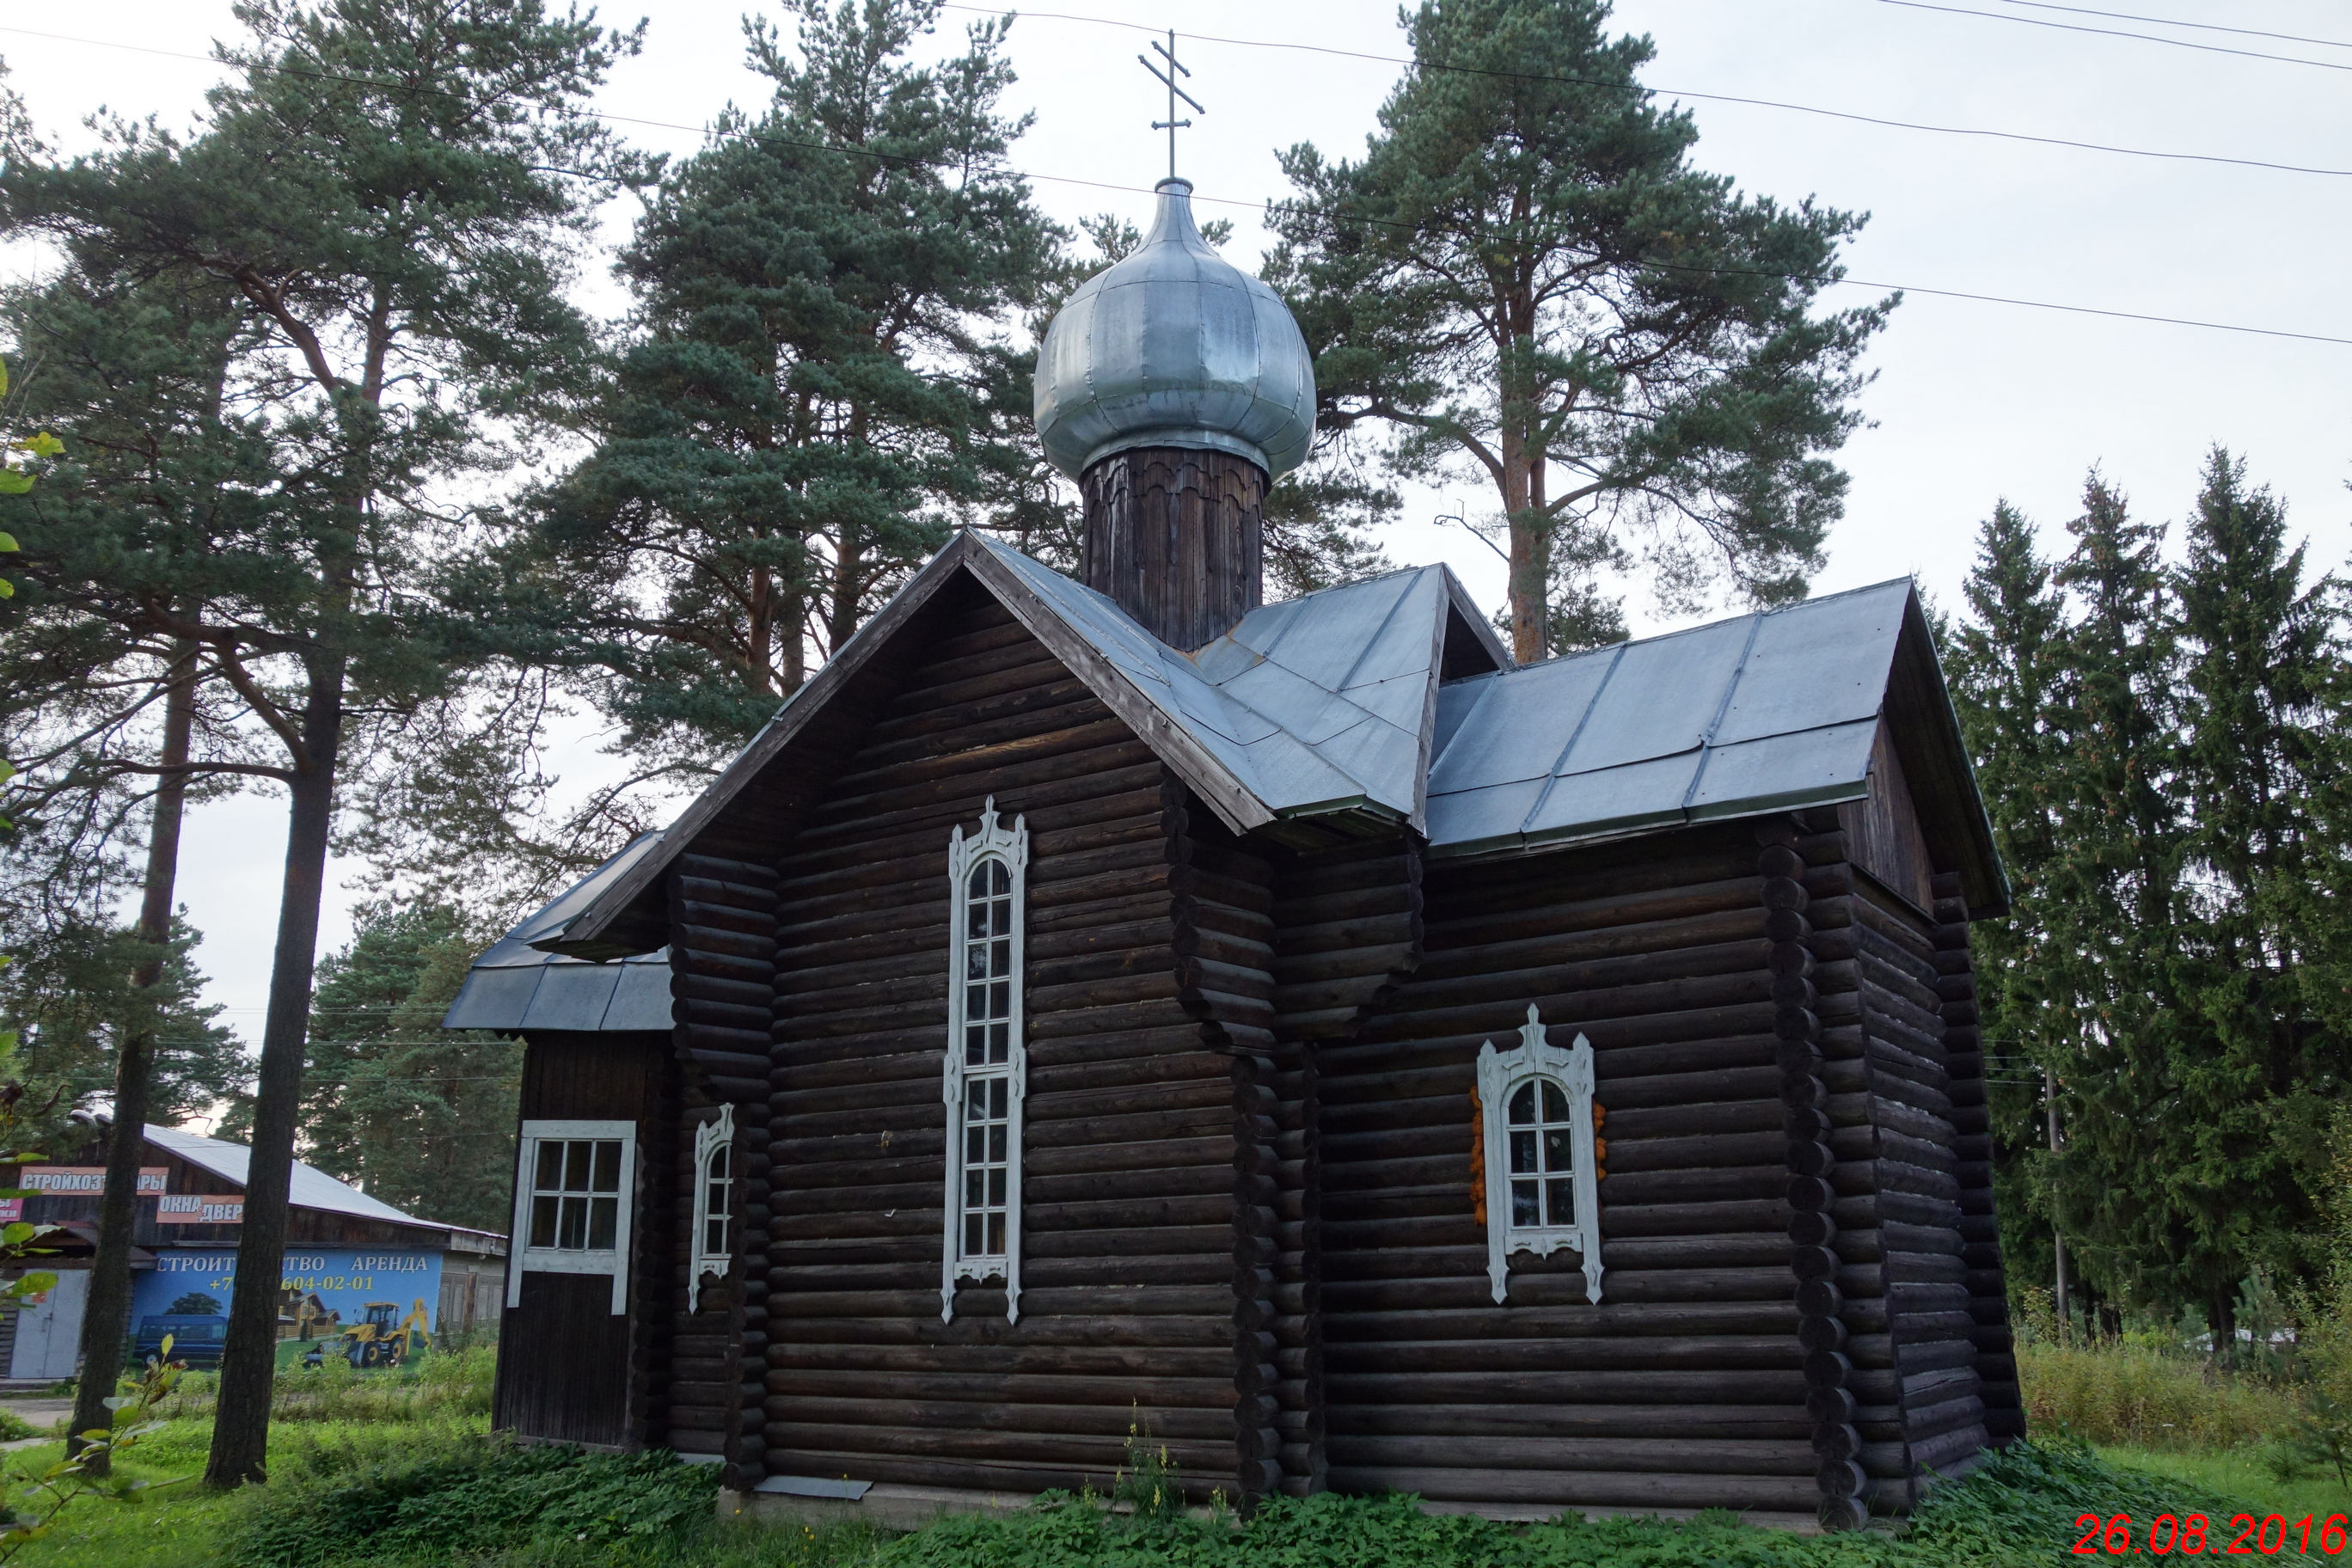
pixel 308 1188
pixel 1357 712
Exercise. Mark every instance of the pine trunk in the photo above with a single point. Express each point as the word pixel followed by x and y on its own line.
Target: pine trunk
pixel 107 1315
pixel 240 1449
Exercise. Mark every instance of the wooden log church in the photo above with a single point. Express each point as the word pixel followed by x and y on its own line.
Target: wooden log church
pixel 1290 1029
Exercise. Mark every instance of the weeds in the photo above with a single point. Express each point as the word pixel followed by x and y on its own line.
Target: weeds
pixel 2128 1391
pixel 438 1387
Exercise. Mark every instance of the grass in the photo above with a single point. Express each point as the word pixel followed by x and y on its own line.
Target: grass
pixel 414 1494
pixel 2241 1472
pixel 2138 1396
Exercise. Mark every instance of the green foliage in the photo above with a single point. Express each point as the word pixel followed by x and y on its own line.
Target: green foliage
pixel 72 994
pixel 442 1389
pixel 485 1493
pixel 43 1488
pixel 13 1426
pixel 2162 750
pixel 421 1117
pixel 2130 1390
pixel 1525 281
pixel 819 390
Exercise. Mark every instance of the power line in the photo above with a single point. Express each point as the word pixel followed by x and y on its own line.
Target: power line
pixel 2171 21
pixel 757 138
pixel 1878 121
pixel 2118 33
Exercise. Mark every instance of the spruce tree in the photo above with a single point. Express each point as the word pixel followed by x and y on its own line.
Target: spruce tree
pixel 1524 279
pixel 421 1117
pixel 2263 651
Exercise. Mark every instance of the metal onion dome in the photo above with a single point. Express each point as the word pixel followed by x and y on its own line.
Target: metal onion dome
pixel 1175 347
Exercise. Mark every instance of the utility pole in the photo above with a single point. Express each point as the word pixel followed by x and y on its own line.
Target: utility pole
pixel 2058 1240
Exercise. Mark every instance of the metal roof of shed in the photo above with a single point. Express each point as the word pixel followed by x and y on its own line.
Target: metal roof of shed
pixel 308 1188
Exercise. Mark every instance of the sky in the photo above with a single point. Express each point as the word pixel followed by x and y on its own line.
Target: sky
pixel 1973 402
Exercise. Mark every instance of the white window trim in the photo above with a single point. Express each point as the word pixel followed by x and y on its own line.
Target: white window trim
pixel 709 1137
pixel 526 1259
pixel 1500 1074
pixel 1011 846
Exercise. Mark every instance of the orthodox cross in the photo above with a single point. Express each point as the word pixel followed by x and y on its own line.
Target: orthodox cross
pixel 1171 124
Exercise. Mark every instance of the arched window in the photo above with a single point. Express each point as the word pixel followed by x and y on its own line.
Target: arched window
pixel 1542 1174
pixel 987 1063
pixel 714 1175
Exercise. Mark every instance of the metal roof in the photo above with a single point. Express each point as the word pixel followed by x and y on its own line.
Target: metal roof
pixel 1332 706
pixel 514 985
pixel 310 1188
pixel 1760 714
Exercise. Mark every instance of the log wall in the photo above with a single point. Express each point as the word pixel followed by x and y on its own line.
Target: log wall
pixel 1685 1386
pixel 1128 1306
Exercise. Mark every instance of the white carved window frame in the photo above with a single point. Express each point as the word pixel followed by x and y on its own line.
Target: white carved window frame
pixel 613 1261
pixel 1500 1075
pixel 712 1141
pixel 1009 846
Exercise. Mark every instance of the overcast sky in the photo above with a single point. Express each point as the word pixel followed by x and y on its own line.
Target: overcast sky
pixel 1973 402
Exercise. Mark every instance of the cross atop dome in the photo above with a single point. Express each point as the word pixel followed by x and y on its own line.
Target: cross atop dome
pixel 1175 68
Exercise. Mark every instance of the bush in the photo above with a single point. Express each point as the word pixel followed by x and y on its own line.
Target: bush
pixel 409 1496
pixel 2126 1392
pixel 433 1387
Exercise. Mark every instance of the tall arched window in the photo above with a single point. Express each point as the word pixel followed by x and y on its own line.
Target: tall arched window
pixel 1543 1187
pixel 987 1062
pixel 714 1178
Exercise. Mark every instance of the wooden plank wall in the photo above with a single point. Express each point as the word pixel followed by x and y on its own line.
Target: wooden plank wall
pixel 723 931
pixel 1685 1386
pixel 1127 1310
pixel 570 1369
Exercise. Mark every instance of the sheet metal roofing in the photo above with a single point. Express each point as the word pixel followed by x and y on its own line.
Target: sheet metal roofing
pixel 309 1189
pixel 1765 712
pixel 1335 703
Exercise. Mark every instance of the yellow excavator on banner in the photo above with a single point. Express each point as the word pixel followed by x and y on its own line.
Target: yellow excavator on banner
pixel 379 1339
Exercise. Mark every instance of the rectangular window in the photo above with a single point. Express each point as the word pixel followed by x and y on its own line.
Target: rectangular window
pixel 986 1061
pixel 575 1187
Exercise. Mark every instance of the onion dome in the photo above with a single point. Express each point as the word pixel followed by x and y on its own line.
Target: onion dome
pixel 1175 347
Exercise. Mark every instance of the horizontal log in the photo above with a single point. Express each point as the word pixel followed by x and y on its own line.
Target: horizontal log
pixel 1584 1456
pixel 1598 1489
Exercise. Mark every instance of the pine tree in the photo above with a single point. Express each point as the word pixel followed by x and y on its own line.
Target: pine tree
pixel 1524 279
pixel 818 393
pixel 388 191
pixel 421 1118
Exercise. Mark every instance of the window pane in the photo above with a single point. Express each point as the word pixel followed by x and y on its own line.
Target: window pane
pixel 975 1044
pixel 1525 1211
pixel 1000 957
pixel 1561 1202
pixel 975 961
pixel 719 1157
pixel 975 1234
pixel 996 1186
pixel 1558 1155
pixel 996 1143
pixel 1523 1105
pixel 603 1224
pixel 975 1188
pixel 1000 916
pixel 976 885
pixel 576 1166
pixel 542 1222
pixel 1523 1152
pixel 571 1225
pixel 996 1235
pixel 714 1198
pixel 999 1091
pixel 1555 1102
pixel 1000 880
pixel 975 921
pixel 550 1166
pixel 975 1000
pixel 1000 999
pixel 714 1237
pixel 999 1044
pixel 975 1146
pixel 608 1167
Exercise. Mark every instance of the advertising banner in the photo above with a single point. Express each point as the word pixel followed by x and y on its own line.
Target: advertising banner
pixel 200 1208
pixel 371 1307
pixel 84 1181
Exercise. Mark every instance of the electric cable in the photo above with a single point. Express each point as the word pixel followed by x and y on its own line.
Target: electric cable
pixel 2171 22
pixel 2118 33
pixel 758 138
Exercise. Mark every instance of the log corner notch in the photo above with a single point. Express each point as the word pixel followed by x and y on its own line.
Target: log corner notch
pixel 2004 1406
pixel 1805 1100
pixel 722 927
